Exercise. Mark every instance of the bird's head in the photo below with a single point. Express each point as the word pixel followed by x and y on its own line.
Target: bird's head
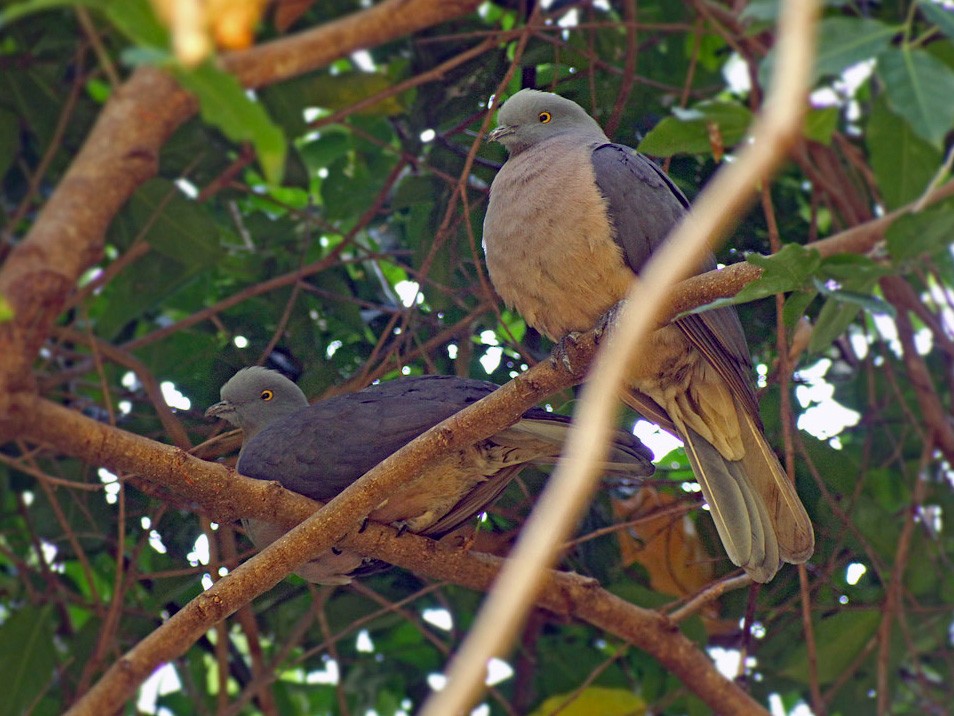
pixel 254 397
pixel 532 116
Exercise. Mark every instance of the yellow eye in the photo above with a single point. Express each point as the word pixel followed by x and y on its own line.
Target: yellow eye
pixel 267 394
pixel 544 117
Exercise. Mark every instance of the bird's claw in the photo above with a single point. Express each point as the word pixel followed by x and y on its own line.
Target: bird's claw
pixel 561 351
pixel 364 525
pixel 607 321
pixel 401 527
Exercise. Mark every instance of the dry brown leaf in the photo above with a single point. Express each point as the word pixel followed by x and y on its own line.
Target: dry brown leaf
pixel 666 545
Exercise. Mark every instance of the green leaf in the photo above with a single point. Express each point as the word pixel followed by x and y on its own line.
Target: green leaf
pixel 919 88
pixel 796 305
pixel 593 700
pixel 856 276
pixel 903 163
pixel 688 131
pixel 839 640
pixel 137 21
pixel 853 271
pixel 915 235
pixel 320 152
pixel 28 657
pixel 788 270
pixel 784 271
pixel 174 225
pixel 845 41
pixel 184 237
pixel 938 15
pixel 820 124
pixel 6 310
pixel 868 302
pixel 842 42
pixel 834 317
pixel 224 103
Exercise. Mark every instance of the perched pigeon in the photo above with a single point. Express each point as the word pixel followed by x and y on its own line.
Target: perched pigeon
pixel 318 450
pixel 571 221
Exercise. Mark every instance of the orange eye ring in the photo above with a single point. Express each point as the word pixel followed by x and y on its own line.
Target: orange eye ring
pixel 544 117
pixel 267 394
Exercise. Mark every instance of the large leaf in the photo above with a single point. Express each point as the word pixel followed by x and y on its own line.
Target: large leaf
pixel 691 131
pixel 842 42
pixel 915 235
pixel 838 640
pixel 788 270
pixel 27 657
pixel 172 224
pixel 225 104
pixel 939 15
pixel 820 124
pixel 903 163
pixel 184 239
pixel 919 88
pixel 845 41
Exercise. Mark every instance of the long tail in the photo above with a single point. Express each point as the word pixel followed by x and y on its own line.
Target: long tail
pixel 757 512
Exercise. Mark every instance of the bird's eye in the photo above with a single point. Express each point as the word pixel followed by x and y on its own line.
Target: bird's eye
pixel 267 394
pixel 544 117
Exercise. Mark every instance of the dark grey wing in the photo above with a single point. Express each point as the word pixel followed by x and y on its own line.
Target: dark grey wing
pixel 644 205
pixel 323 448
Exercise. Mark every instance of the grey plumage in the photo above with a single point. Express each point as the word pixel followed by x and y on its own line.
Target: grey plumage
pixel 571 221
pixel 319 450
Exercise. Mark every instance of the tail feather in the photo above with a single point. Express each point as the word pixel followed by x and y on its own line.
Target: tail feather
pixel 790 522
pixel 627 456
pixel 737 509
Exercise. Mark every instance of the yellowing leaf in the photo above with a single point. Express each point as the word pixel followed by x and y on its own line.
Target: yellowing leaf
pixel 6 310
pixel 667 545
pixel 591 701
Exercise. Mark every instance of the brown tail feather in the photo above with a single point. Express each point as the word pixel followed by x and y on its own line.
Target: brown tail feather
pixel 793 529
pixel 737 509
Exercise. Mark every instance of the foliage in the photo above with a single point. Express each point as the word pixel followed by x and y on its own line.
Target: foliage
pixel 329 225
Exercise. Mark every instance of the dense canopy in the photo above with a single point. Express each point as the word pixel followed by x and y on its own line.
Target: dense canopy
pixel 302 185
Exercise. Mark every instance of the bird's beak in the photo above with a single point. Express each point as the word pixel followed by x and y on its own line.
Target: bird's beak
pixel 222 409
pixel 502 130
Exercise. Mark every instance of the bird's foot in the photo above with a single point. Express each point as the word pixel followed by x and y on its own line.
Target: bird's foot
pixel 364 524
pixel 561 351
pixel 401 526
pixel 608 321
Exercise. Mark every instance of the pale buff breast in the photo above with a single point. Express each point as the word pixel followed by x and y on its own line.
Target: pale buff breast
pixel 551 256
pixel 547 237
